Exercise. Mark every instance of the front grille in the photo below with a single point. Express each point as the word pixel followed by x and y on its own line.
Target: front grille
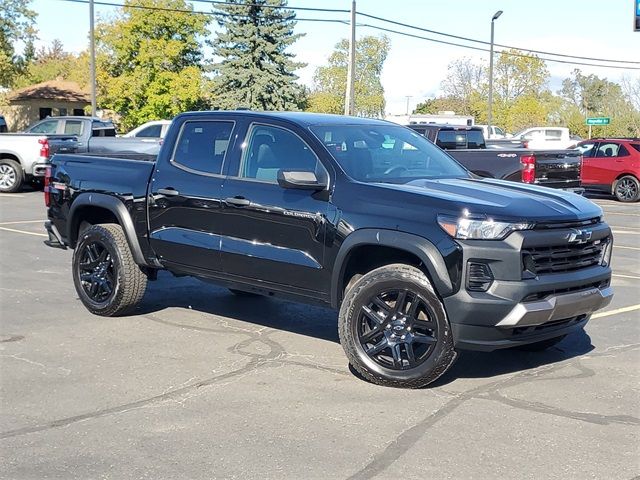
pixel 572 224
pixel 563 258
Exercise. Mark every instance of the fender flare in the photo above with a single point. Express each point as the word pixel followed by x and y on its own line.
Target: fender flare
pixel 115 206
pixel 414 244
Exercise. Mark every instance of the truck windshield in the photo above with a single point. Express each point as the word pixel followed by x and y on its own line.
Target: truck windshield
pixel 386 153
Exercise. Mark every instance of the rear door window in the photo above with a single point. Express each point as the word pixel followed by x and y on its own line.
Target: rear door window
pixel 152 131
pixel 73 127
pixel 608 150
pixel 202 146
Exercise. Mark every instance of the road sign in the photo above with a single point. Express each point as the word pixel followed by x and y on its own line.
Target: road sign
pixel 598 121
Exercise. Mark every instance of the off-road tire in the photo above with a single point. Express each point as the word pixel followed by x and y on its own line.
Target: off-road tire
pixel 398 276
pixel 540 346
pixel 130 281
pixel 630 192
pixel 8 165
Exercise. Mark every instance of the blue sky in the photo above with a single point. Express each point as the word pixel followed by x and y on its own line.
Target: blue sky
pixel 590 28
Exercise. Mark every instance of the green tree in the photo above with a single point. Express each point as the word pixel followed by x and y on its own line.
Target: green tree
pixel 330 81
pixel 440 104
pixel 16 25
pixel 150 61
pixel 591 96
pixel 256 71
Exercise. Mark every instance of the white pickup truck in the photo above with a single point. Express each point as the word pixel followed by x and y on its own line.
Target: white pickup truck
pixel 24 157
pixel 548 138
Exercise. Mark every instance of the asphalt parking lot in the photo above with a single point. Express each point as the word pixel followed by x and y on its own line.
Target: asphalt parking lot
pixel 202 384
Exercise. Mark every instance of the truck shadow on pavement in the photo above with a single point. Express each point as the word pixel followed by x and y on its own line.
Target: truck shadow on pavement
pixel 210 302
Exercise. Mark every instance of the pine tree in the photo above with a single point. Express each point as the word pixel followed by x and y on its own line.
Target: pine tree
pixel 256 71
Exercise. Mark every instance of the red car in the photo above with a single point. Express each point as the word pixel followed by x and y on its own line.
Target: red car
pixel 612 165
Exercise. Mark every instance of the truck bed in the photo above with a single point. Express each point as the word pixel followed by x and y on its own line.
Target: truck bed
pixel 553 168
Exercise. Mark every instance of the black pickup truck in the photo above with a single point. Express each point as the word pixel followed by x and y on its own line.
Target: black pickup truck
pixel 420 257
pixel 507 161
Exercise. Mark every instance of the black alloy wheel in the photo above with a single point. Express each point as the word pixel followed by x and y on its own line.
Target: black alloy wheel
pixel 396 329
pixel 96 272
pixel 107 279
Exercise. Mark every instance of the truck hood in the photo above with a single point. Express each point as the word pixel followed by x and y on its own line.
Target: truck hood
pixel 501 199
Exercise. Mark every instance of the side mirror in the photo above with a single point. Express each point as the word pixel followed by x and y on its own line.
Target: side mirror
pixel 300 180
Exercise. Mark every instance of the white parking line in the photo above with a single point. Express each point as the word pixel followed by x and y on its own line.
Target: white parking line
pixel 22 231
pixel 625 276
pixel 620 213
pixel 624 246
pixel 625 232
pixel 23 221
pixel 616 311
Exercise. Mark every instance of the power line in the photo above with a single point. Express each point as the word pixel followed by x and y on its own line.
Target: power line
pixel 513 54
pixel 376 27
pixel 285 7
pixel 401 24
pixel 197 12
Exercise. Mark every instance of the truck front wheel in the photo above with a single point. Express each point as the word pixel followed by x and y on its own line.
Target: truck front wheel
pixel 11 176
pixel 107 279
pixel 394 329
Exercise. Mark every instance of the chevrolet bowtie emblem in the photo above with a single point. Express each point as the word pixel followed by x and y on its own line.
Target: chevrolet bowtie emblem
pixel 580 236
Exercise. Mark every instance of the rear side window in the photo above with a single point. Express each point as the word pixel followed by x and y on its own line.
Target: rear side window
pixel 150 132
pixel 203 145
pixel 554 134
pixel 73 127
pixel 636 146
pixel 611 150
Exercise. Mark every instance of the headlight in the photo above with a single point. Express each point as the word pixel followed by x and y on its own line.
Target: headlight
pixel 465 228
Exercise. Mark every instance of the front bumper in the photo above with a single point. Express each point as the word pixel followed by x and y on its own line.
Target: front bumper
pixel 520 307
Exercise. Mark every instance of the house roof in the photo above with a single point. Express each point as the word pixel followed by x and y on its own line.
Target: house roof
pixel 60 90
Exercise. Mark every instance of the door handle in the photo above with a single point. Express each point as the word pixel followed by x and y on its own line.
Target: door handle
pixel 168 192
pixel 238 201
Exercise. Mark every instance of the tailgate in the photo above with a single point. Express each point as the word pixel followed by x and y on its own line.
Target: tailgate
pixel 62 144
pixel 558 168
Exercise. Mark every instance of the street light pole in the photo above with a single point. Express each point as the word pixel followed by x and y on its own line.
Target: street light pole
pixel 350 101
pixel 92 48
pixel 408 97
pixel 490 119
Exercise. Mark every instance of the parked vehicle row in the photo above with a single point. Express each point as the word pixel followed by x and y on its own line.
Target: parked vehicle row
pixel 550 168
pixel 421 257
pixel 25 156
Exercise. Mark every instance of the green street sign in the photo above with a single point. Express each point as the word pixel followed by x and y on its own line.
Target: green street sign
pixel 598 121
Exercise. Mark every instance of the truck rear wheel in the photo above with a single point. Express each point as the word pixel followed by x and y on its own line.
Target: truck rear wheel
pixel 107 279
pixel 11 176
pixel 394 329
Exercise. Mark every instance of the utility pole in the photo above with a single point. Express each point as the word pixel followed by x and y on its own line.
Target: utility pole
pixel 408 97
pixel 92 47
pixel 489 120
pixel 349 100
